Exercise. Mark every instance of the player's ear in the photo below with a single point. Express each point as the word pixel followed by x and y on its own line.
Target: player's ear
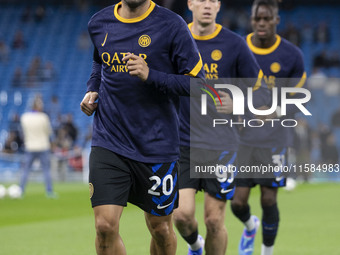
pixel 219 6
pixel 278 19
pixel 190 4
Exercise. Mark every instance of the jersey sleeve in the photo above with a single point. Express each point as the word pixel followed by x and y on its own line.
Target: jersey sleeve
pixel 186 60
pixel 185 54
pixel 299 67
pixel 248 68
pixel 93 83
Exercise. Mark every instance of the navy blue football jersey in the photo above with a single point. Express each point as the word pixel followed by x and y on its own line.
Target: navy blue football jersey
pixel 136 119
pixel 225 55
pixel 279 63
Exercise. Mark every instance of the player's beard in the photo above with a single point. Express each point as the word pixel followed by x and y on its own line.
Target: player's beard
pixel 133 4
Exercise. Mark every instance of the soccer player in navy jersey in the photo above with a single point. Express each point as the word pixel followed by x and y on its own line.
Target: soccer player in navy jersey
pixel 267 145
pixel 225 55
pixel 143 59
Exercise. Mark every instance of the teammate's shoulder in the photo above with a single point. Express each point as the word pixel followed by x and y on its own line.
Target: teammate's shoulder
pixel 290 47
pixel 231 36
pixel 228 32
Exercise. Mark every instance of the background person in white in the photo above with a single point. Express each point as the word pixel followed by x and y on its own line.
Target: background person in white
pixel 36 127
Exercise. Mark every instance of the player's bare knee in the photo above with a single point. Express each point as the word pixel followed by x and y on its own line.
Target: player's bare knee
pixel 213 224
pixel 238 204
pixel 182 218
pixel 106 228
pixel 179 220
pixel 160 230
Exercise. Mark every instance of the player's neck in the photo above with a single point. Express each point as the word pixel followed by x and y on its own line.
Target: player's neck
pixel 263 43
pixel 126 12
pixel 203 30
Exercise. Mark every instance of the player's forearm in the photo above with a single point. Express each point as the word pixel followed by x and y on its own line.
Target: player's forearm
pixel 261 97
pixel 169 83
pixel 93 83
pixel 177 84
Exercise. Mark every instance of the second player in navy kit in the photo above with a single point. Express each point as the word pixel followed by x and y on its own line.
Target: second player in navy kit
pixel 225 55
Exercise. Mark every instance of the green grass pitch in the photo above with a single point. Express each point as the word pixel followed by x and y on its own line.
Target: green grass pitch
pixel 36 225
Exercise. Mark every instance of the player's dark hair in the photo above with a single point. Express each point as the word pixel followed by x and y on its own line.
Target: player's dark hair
pixel 272 4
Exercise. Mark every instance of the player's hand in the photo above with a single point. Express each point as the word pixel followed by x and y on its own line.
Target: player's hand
pixel 137 66
pixel 264 117
pixel 227 103
pixel 88 105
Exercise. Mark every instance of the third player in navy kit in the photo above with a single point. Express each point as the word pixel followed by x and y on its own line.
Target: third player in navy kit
pixel 268 145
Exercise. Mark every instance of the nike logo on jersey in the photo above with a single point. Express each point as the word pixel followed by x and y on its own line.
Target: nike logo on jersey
pixel 225 191
pixel 160 207
pixel 104 40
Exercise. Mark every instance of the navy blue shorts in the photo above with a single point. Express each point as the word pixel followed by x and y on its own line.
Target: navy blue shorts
pixel 115 179
pixel 220 187
pixel 261 157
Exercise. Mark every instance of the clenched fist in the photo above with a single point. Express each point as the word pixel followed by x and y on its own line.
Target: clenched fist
pixel 88 105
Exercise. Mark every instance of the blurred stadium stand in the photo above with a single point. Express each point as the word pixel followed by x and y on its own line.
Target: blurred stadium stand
pixel 55 39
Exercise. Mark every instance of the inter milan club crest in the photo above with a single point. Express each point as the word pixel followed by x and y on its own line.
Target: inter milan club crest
pixel 144 41
pixel 275 67
pixel 216 55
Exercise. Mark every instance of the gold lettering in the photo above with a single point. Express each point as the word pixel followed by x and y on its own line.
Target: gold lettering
pixel 213 68
pixel 121 69
pixel 270 81
pixel 113 69
pixel 206 68
pixel 123 54
pixel 143 56
pixel 108 58
pixel 115 58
